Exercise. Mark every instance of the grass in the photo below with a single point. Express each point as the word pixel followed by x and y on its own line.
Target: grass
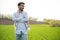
pixel 7 32
pixel 37 32
pixel 44 32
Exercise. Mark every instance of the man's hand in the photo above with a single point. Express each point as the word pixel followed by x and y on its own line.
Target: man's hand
pixel 28 29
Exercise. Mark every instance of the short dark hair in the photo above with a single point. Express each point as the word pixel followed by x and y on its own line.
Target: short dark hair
pixel 20 3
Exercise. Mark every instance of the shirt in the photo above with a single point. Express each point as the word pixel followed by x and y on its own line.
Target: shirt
pixel 20 19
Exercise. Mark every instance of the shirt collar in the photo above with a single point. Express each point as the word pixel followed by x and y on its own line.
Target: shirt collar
pixel 19 11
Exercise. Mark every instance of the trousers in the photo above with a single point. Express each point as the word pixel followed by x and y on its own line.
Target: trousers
pixel 21 36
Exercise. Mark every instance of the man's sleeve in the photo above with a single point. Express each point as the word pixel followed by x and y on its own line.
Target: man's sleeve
pixel 26 18
pixel 14 18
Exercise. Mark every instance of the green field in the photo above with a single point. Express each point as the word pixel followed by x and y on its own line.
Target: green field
pixel 37 32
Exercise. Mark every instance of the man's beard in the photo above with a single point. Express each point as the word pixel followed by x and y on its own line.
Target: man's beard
pixel 22 10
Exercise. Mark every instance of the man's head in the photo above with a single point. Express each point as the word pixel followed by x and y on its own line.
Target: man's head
pixel 21 6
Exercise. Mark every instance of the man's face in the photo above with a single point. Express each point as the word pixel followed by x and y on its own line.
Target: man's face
pixel 21 7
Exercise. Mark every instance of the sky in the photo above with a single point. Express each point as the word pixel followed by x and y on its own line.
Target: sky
pixel 40 9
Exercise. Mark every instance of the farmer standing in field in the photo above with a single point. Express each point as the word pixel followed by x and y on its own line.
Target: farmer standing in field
pixel 21 22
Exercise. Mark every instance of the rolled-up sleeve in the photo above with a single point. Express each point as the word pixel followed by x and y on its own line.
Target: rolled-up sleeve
pixel 16 19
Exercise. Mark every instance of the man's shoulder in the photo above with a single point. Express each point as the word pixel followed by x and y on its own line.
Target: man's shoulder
pixel 15 13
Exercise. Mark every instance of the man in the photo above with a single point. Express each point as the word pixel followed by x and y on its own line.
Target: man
pixel 21 22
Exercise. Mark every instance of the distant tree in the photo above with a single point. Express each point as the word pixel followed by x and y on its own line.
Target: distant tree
pixel 34 19
pixel 1 15
pixel 9 16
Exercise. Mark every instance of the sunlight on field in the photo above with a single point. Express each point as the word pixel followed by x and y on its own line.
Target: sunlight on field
pixel 37 32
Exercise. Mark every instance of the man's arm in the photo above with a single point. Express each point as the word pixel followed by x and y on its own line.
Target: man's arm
pixel 14 18
pixel 28 26
pixel 25 18
pixel 20 19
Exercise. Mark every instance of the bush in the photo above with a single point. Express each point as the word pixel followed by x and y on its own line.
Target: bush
pixel 52 22
pixel 55 23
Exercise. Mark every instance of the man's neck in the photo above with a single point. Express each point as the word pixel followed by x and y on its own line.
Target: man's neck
pixel 20 11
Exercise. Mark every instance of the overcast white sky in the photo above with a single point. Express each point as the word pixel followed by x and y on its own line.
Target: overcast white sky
pixel 36 8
